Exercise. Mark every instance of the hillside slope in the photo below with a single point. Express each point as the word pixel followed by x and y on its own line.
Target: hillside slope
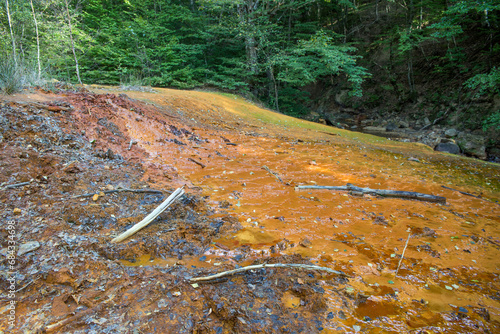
pixel 240 165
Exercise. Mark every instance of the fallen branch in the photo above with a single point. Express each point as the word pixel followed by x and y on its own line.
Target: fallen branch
pixel 273 173
pixel 403 255
pixel 468 194
pixel 92 310
pixel 120 190
pixel 162 207
pixel 382 192
pixel 261 266
pixel 197 162
pixel 62 323
pixel 132 142
pixel 11 186
pixel 44 106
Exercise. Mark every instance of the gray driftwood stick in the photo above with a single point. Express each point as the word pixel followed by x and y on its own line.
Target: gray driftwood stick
pixel 119 190
pixel 381 192
pixel 260 266
pixel 162 207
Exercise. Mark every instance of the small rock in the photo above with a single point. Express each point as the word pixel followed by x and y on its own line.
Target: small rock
pixel 28 247
pixel 109 154
pixel 391 127
pixel 72 168
pixel 17 211
pixel 451 133
pixel 305 243
pixel 162 303
pixel 95 197
pixel 404 124
pixel 447 140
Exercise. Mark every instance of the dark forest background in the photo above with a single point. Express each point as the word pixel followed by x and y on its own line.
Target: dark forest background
pixel 432 58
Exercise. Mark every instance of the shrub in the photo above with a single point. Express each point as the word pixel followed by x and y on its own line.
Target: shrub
pixel 16 74
pixel 11 76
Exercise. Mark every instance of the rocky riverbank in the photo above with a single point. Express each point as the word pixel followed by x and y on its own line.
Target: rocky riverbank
pixel 477 144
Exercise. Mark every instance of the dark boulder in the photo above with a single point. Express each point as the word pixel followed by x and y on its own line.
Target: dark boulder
pixel 447 147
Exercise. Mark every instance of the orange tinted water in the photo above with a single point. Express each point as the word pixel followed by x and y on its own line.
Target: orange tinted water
pixel 455 265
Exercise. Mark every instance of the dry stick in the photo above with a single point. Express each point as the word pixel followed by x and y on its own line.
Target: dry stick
pixel 197 162
pixel 10 186
pixel 272 173
pixel 162 207
pixel 93 310
pixel 44 106
pixel 402 255
pixel 62 323
pixel 468 194
pixel 260 266
pixel 381 192
pixel 122 190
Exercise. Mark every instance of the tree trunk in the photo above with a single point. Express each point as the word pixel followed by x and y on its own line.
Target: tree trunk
pixel 37 41
pixel 245 12
pixel 251 46
pixel 72 43
pixel 11 32
pixel 270 74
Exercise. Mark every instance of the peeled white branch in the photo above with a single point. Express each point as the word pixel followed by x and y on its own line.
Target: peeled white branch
pixel 260 266
pixel 162 207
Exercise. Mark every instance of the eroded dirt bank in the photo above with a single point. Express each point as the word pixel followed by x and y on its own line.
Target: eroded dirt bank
pixel 240 165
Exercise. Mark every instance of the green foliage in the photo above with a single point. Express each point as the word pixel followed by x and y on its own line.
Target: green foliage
pixel 481 84
pixel 492 121
pixel 292 101
pixel 318 57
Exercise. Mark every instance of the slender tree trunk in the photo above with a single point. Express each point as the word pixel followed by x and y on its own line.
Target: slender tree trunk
pixel 270 73
pixel 72 43
pixel 11 32
pixel 245 12
pixel 37 41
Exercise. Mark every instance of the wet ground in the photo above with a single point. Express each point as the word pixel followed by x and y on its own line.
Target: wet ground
pixel 240 166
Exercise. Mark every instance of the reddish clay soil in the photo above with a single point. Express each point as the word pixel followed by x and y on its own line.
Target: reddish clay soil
pixel 64 154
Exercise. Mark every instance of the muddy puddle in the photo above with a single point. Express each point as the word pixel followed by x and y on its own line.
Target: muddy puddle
pixel 241 166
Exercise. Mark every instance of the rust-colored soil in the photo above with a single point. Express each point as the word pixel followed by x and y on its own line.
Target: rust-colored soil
pixel 240 165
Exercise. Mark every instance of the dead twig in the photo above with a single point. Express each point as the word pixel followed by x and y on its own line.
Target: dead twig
pixel 273 173
pixel 197 162
pixel 403 255
pixel 44 106
pixel 261 266
pixel 381 192
pixel 92 310
pixel 468 194
pixel 132 142
pixel 120 190
pixel 162 207
pixel 11 186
